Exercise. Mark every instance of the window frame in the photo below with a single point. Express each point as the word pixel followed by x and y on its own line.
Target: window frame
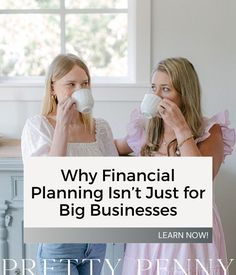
pixel 139 57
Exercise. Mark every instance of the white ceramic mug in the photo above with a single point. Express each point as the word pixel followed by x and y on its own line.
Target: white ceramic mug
pixel 84 100
pixel 149 105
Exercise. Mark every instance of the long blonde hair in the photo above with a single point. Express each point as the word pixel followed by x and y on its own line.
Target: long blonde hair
pixel 185 81
pixel 60 66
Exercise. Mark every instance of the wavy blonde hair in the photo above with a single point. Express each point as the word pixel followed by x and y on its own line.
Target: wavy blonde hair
pixel 185 81
pixel 60 66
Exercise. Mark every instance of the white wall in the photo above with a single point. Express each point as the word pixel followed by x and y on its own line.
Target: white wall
pixel 113 103
pixel 204 32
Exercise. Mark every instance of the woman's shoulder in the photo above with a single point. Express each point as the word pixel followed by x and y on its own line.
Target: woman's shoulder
pixel 103 129
pixel 216 123
pixel 35 121
pixel 38 124
pixel 102 124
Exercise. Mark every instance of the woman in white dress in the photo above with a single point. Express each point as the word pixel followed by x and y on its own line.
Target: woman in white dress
pixel 61 130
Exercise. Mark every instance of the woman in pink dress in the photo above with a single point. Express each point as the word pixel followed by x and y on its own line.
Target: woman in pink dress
pixel 179 129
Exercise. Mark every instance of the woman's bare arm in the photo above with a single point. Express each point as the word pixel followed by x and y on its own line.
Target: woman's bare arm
pixel 60 137
pixel 122 147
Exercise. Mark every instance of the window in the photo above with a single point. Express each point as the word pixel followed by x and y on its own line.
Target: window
pixel 104 33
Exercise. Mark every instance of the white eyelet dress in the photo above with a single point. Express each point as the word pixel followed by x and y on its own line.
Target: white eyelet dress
pixel 36 140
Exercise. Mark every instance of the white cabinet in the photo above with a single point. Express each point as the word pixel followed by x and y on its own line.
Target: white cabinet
pixel 12 246
pixel 11 209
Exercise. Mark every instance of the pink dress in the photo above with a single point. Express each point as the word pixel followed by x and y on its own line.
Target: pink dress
pixel 183 258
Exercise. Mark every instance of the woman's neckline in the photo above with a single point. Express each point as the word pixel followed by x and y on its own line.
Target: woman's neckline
pixel 75 143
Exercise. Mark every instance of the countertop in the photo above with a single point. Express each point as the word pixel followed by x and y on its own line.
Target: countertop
pixel 9 147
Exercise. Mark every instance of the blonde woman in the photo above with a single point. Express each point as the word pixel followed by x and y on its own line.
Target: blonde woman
pixel 63 131
pixel 179 129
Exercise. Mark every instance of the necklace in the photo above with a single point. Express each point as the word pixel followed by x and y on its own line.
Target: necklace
pixel 166 143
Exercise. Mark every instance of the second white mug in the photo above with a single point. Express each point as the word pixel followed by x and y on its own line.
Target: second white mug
pixel 149 105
